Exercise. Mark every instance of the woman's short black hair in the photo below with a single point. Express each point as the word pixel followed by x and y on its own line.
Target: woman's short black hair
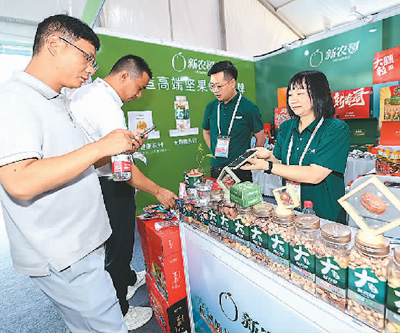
pixel 64 26
pixel 318 89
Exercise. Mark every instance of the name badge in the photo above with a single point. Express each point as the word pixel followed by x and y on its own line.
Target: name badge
pixel 222 148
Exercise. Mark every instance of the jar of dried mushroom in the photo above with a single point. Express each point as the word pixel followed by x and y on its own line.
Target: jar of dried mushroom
pixel 187 211
pixel 228 213
pixel 280 232
pixel 241 230
pixel 368 264
pixel 332 261
pixel 259 232
pixel 303 250
pixel 393 294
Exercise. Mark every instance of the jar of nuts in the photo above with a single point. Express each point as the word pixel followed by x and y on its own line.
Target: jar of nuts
pixel 196 214
pixel 332 261
pixel 214 222
pixel 259 232
pixel 203 218
pixel 187 211
pixel 393 294
pixel 228 213
pixel 302 251
pixel 280 232
pixel 241 230
pixel 368 264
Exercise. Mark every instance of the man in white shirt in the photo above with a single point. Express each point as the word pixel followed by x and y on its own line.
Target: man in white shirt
pixel 52 204
pixel 97 108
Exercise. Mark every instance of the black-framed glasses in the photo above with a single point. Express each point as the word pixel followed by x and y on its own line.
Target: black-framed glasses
pixel 217 87
pixel 90 59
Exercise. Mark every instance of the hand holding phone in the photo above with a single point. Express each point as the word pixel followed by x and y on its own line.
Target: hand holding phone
pixel 147 131
pixel 238 162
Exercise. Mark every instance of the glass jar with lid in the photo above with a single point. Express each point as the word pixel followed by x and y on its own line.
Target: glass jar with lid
pixel 196 214
pixel 332 261
pixel 393 293
pixel 214 222
pixel 280 232
pixel 259 232
pixel 203 218
pixel 228 213
pixel 303 250
pixel 187 211
pixel 368 264
pixel 241 230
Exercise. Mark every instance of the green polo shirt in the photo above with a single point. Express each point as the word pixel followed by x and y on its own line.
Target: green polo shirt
pixel 329 149
pixel 247 121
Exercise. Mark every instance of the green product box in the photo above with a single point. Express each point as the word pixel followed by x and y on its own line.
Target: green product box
pixel 247 201
pixel 243 190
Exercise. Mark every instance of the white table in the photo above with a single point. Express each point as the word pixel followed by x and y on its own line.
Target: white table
pixel 227 287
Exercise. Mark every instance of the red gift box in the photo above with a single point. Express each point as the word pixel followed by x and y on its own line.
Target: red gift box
pixel 390 133
pixel 171 317
pixel 163 258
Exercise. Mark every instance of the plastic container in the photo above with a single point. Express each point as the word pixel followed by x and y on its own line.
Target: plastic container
pixel 393 294
pixel 308 208
pixel 280 232
pixel 368 265
pixel 333 250
pixel 302 252
pixel 121 167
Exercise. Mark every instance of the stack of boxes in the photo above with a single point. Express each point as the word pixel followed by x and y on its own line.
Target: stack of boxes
pixel 165 274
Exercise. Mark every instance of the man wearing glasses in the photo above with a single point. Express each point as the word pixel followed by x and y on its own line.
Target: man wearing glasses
pixel 51 197
pixel 230 120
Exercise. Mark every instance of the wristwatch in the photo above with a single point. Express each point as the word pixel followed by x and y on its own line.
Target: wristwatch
pixel 270 165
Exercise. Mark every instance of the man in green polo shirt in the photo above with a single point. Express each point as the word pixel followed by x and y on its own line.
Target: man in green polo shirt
pixel 230 120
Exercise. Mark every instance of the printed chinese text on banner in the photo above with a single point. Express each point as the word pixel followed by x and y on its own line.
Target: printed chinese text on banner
pixel 386 66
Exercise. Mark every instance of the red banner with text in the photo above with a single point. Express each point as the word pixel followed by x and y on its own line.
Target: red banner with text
pixel 387 66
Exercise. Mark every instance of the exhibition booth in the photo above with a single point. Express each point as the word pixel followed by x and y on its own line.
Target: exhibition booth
pixel 223 263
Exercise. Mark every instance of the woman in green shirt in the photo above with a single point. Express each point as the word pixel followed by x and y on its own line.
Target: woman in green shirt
pixel 311 148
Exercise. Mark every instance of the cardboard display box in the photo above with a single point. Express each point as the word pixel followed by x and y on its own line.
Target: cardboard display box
pixel 163 258
pixel 171 317
pixel 362 132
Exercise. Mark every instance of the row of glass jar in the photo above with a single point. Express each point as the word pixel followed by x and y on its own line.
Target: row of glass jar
pixel 321 261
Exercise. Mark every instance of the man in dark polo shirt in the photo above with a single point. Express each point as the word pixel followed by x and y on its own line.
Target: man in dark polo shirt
pixel 230 120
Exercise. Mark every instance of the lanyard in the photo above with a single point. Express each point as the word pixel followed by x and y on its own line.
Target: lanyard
pixel 307 146
pixel 233 116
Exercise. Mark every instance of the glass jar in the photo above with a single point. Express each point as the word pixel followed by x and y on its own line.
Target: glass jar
pixel 228 212
pixel 393 294
pixel 368 264
pixel 332 261
pixel 280 232
pixel 203 218
pixel 196 214
pixel 214 222
pixel 303 250
pixel 241 230
pixel 187 211
pixel 259 232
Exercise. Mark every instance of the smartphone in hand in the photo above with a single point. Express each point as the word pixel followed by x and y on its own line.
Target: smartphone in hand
pixel 147 131
pixel 238 162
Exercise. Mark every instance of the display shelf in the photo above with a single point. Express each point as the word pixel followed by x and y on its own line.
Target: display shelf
pixel 287 307
pixel 190 131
